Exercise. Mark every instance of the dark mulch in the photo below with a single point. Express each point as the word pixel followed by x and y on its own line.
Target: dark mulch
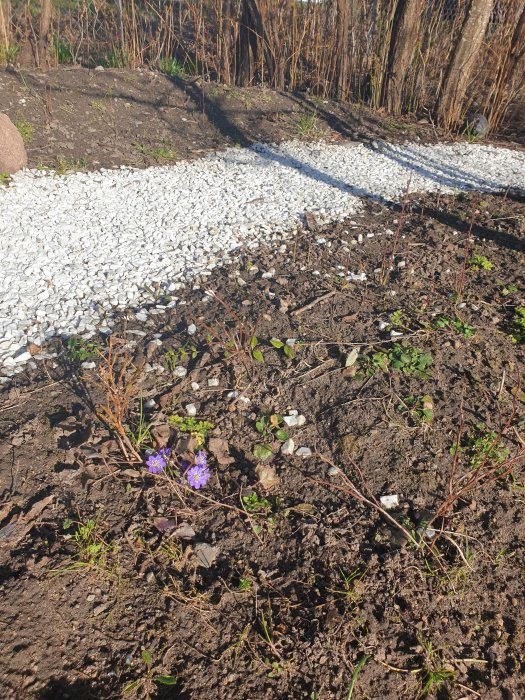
pixel 328 581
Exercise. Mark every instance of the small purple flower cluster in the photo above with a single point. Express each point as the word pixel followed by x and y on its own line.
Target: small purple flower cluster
pixel 157 461
pixel 197 476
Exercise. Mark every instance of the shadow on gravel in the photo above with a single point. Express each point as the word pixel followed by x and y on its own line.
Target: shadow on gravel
pixel 441 174
pixel 269 152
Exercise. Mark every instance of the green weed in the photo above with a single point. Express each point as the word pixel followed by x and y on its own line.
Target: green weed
pixel 140 433
pixel 25 129
pixel 420 408
pixel 479 262
pixel 172 67
pixel 78 350
pixel 156 152
pixel 287 350
pixel 174 356
pixel 9 53
pixel 116 58
pixel 198 429
pixel 268 425
pixel 63 50
pixel 484 446
pixel 306 123
pixel 435 673
pixel 456 324
pixel 97 105
pixel 261 511
pixel 245 584
pixel 518 325
pixel 148 679
pixel 402 358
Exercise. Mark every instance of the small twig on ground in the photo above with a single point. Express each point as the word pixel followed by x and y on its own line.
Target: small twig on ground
pixel 318 300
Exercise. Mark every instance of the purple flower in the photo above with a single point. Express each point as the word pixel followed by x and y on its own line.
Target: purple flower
pixel 165 452
pixel 201 459
pixel 198 475
pixel 156 462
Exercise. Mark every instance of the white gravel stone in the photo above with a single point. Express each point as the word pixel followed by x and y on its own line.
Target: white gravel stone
pixel 190 409
pixel 77 247
pixel 303 452
pixel 389 501
pixel 288 447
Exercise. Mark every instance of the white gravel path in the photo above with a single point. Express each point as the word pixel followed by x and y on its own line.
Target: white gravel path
pixel 77 247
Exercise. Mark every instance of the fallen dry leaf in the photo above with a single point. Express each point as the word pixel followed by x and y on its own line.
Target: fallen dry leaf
pixel 268 478
pixel 220 450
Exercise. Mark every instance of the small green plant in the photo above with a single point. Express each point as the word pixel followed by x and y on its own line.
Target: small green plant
pixel 261 511
pixel 25 129
pixel 148 679
pixel 140 434
pixel 357 670
pixel 398 319
pixel 349 587
pixel 456 324
pixel 198 429
pixel 483 446
pixel 287 350
pixel 306 123
pixel 256 353
pixel 420 408
pixel 9 53
pixel 116 58
pixel 91 549
pixel 172 551
pixel 63 50
pixel 245 584
pixel 63 165
pixel 470 133
pixel 174 356
pixel 507 289
pixel 78 350
pixel 172 67
pixel 479 262
pixel 268 425
pixel 518 325
pixel 97 105
pixel 156 152
pixel 5 179
pixel 402 358
pixel 435 673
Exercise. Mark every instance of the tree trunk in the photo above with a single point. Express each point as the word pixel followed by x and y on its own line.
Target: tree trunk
pixel 225 44
pixel 247 50
pixel 517 48
pixel 342 49
pixel 459 72
pixel 5 30
pixel 403 41
pixel 43 33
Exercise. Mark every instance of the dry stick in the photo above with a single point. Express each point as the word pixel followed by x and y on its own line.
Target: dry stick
pixel 483 475
pixel 461 284
pixel 313 303
pixel 385 271
pixel 353 491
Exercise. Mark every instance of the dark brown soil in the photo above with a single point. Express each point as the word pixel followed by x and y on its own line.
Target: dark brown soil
pixel 329 582
pixel 80 119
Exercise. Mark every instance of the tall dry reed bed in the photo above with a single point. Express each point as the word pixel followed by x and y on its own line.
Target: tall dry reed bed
pixel 362 50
